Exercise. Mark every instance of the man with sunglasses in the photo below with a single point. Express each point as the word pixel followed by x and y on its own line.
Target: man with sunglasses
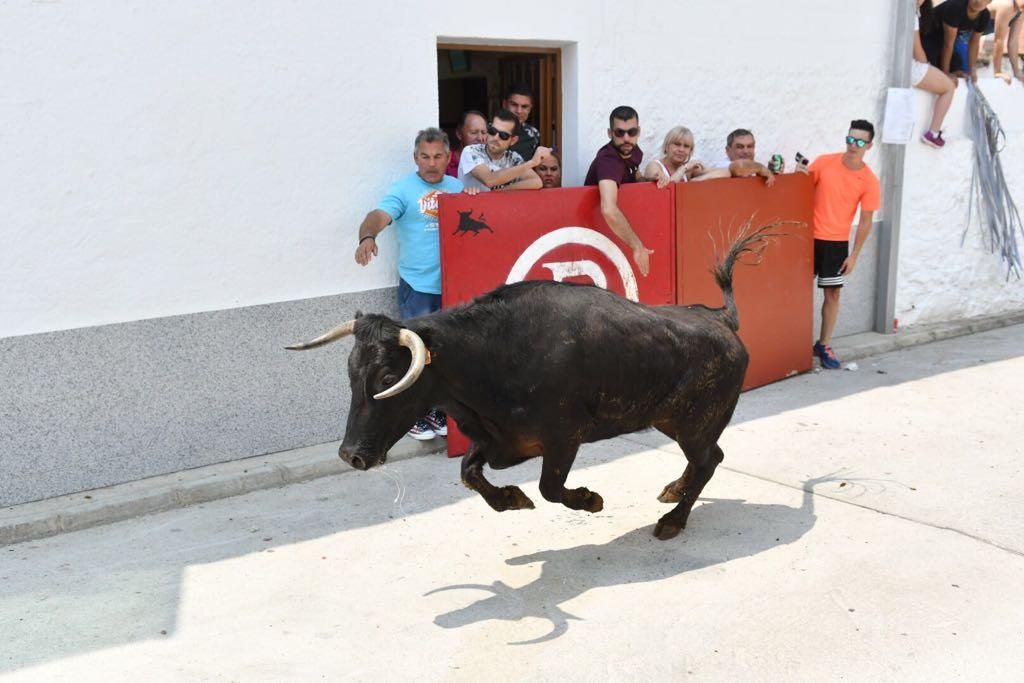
pixel 618 163
pixel 494 166
pixel 842 182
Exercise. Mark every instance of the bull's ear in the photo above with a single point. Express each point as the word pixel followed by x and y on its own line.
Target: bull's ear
pixel 358 315
pixel 426 334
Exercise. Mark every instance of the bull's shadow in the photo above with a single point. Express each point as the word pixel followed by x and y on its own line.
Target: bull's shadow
pixel 718 531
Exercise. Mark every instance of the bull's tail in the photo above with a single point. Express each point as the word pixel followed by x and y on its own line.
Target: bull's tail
pixel 749 241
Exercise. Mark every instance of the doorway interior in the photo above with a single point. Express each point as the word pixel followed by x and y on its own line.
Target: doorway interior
pixel 477 76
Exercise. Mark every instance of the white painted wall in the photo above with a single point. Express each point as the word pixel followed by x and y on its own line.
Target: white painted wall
pixel 938 279
pixel 162 158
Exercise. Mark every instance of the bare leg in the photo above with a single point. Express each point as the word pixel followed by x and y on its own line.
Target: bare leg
pixel 942 85
pixel 829 314
pixel 999 46
pixel 1014 47
pixel 701 467
pixel 554 471
pixel 501 499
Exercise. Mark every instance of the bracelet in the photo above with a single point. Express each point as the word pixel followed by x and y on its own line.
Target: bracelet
pixel 367 237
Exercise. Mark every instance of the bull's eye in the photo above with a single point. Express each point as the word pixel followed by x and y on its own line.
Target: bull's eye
pixel 387 380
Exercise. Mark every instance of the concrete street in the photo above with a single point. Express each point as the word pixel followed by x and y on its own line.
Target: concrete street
pixel 866 525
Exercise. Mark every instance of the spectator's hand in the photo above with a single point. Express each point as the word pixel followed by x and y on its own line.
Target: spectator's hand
pixel 848 265
pixel 769 179
pixel 663 181
pixel 471 191
pixel 539 154
pixel 365 252
pixel 1005 78
pixel 974 77
pixel 641 255
pixel 694 169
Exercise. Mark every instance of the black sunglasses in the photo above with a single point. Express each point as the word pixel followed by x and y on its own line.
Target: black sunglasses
pixel 622 132
pixel 850 140
pixel 491 130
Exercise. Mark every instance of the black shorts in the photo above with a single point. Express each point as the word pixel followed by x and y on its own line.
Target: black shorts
pixel 828 259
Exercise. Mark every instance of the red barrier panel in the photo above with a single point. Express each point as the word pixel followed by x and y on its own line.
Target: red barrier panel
pixel 775 297
pixel 496 238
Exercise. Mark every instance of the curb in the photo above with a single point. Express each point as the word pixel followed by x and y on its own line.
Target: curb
pixel 39 519
pixel 72 512
pixel 857 346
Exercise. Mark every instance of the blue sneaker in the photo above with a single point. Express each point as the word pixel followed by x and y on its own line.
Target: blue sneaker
pixel 827 356
pixel 421 431
pixel 438 422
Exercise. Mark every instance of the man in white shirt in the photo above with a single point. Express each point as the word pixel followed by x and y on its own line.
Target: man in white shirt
pixel 739 159
pixel 494 166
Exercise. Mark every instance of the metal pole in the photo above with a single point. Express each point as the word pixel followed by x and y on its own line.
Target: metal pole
pixel 892 171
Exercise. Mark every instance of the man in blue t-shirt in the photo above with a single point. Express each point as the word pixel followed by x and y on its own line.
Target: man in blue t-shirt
pixel 411 204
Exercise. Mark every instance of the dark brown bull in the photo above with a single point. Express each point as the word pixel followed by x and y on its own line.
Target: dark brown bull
pixel 539 368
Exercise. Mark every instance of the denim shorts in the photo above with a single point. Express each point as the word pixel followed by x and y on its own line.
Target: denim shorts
pixel 412 304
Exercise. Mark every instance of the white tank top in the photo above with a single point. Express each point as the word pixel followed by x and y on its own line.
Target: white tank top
pixel 663 168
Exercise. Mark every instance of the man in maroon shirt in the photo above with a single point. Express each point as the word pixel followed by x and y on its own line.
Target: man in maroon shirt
pixel 618 163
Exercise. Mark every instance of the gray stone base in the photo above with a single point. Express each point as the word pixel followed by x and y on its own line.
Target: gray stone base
pixel 72 512
pixel 87 408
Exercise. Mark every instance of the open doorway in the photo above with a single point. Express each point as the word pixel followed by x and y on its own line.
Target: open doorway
pixel 477 76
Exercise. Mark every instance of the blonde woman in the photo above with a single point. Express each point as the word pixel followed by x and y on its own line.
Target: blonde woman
pixel 675 165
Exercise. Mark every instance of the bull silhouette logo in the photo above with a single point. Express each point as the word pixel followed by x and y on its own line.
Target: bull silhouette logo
pixel 469 224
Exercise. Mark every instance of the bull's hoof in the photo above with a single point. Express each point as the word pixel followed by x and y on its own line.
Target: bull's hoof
pixel 510 498
pixel 665 530
pixel 596 502
pixel 668 495
pixel 582 499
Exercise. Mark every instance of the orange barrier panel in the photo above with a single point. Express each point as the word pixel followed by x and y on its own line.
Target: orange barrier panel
pixel 775 297
pixel 500 237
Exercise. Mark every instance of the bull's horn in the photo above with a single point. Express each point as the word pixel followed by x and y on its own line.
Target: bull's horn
pixel 411 341
pixel 333 335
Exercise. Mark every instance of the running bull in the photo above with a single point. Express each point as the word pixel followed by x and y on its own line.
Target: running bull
pixel 535 369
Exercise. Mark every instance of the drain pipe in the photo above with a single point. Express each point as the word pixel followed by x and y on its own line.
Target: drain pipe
pixel 892 165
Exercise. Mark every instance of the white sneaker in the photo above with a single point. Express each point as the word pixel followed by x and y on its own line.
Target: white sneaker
pixel 421 431
pixel 437 421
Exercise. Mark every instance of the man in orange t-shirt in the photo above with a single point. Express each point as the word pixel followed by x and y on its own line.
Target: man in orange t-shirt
pixel 842 182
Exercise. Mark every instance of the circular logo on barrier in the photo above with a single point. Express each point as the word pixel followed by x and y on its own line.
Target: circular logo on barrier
pixel 582 268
